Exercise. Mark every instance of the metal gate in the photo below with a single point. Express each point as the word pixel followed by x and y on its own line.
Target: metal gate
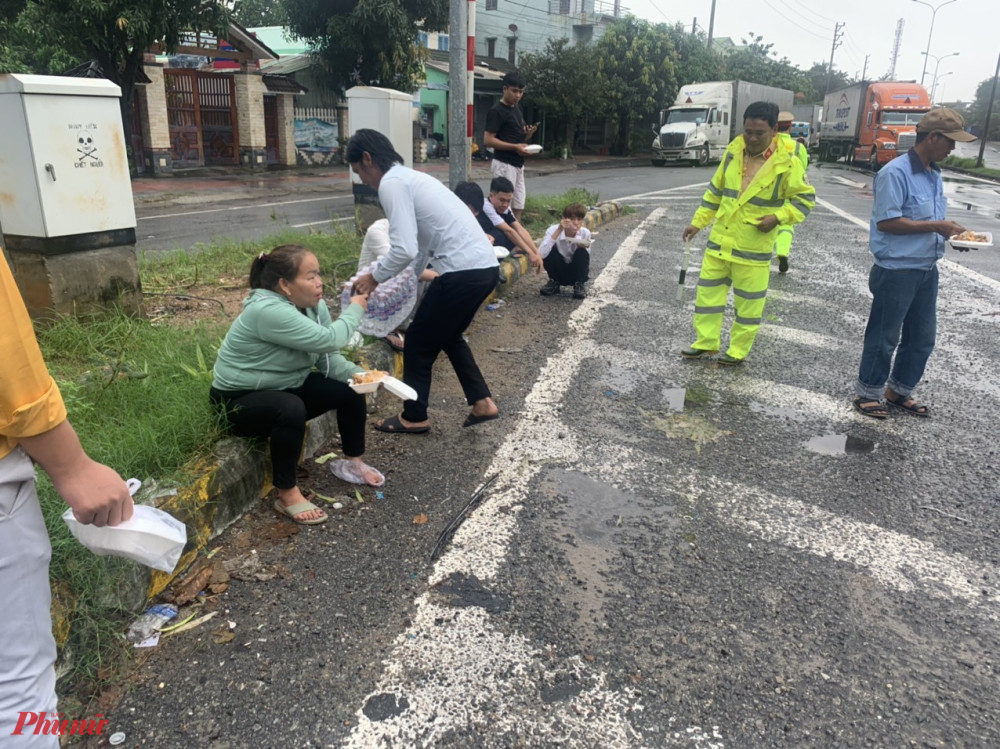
pixel 201 112
pixel 271 128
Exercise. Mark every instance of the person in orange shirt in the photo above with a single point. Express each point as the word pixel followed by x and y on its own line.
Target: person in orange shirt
pixel 34 429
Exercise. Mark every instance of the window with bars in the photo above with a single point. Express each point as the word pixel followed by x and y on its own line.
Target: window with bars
pixel 512 50
pixel 491 47
pixel 491 4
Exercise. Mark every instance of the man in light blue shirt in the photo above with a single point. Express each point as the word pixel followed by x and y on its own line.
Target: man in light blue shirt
pixel 907 237
pixel 429 224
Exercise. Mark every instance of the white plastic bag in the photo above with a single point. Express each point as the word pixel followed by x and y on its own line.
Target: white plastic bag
pixel 151 537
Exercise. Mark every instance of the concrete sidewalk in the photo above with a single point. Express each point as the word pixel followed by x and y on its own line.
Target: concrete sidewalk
pixel 216 184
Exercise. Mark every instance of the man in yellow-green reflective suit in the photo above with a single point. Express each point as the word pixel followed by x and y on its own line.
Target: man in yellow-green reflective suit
pixel 786 232
pixel 758 187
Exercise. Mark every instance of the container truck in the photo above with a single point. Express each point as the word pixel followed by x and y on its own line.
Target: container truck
pixel 871 122
pixel 706 117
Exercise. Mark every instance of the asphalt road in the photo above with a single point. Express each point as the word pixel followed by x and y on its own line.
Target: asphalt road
pixel 673 554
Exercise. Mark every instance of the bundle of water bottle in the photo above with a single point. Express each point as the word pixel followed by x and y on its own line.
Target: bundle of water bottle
pixel 388 305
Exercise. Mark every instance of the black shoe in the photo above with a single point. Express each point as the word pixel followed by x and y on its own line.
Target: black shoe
pixel 782 264
pixel 579 291
pixel 550 288
pixel 729 361
pixel 696 353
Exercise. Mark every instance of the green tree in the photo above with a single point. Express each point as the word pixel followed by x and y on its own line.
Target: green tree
pixel 368 42
pixel 636 73
pixel 693 61
pixel 114 33
pixel 561 82
pixel 822 81
pixel 260 12
pixel 977 111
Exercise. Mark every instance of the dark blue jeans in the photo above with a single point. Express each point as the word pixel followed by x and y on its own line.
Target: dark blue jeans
pixel 903 320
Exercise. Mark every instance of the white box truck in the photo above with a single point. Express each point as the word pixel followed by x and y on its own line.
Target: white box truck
pixel 706 117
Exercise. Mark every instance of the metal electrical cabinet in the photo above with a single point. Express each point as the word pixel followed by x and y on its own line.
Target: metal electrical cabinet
pixel 63 165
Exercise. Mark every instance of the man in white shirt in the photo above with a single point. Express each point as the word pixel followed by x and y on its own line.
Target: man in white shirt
pixel 429 224
pixel 569 263
pixel 507 230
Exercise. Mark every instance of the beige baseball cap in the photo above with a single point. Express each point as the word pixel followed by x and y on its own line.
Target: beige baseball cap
pixel 785 116
pixel 946 121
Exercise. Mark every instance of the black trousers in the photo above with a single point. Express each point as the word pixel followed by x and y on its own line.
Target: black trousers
pixel 445 312
pixel 281 416
pixel 567 274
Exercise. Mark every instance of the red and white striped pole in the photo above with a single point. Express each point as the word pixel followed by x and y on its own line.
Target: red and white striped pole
pixel 470 82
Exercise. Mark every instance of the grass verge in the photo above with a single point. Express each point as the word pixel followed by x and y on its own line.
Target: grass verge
pixel 969 165
pixel 137 394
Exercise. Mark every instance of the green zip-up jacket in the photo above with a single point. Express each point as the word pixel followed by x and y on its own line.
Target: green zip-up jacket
pixel 273 345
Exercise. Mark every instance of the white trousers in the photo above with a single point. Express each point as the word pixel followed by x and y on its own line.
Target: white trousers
pixel 27 648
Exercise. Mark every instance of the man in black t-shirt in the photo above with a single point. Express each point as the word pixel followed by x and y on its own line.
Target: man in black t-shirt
pixel 507 134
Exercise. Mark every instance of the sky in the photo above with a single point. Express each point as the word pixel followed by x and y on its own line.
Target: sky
pixel 802 31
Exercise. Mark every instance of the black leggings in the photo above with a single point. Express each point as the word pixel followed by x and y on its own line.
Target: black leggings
pixel 281 416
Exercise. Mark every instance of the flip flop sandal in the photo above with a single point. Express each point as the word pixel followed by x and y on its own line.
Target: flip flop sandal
pixel 916 409
pixel 472 419
pixel 395 340
pixel 297 509
pixel 875 410
pixel 392 425
pixel 347 471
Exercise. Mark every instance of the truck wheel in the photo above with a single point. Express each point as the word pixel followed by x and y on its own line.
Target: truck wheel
pixel 658 162
pixel 703 156
pixel 873 160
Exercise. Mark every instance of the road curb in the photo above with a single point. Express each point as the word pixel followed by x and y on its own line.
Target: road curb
pixel 238 475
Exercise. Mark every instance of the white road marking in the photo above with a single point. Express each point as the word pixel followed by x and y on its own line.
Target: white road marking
pixel 327 221
pixel 896 560
pixel 478 671
pixel 255 206
pixel 699 186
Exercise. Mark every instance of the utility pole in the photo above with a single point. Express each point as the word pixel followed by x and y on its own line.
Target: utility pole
pixel 864 70
pixel 989 112
pixel 837 35
pixel 694 26
pixel 458 156
pixel 711 26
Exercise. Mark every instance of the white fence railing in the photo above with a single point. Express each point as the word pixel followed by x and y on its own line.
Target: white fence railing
pixel 327 114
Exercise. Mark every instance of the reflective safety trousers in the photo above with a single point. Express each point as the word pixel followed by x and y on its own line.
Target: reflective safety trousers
pixel 779 188
pixel 749 284
pixel 783 242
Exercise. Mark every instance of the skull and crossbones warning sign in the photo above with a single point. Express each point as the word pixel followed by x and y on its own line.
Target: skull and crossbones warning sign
pixel 85 146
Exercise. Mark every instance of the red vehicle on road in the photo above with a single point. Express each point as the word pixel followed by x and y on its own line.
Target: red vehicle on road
pixel 871 123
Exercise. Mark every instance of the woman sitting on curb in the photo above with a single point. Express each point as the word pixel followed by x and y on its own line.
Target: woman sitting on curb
pixel 280 365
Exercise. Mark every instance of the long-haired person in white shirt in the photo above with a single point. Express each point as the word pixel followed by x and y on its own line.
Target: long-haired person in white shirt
pixel 429 224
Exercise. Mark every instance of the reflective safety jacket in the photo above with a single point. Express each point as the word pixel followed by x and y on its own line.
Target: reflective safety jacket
pixel 795 148
pixel 779 188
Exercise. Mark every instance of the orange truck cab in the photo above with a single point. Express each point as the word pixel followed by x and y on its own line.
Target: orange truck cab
pixel 871 123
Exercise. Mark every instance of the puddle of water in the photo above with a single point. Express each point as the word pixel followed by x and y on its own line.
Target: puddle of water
pixel 675 398
pixel 839 444
pixel 678 398
pixel 778 412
